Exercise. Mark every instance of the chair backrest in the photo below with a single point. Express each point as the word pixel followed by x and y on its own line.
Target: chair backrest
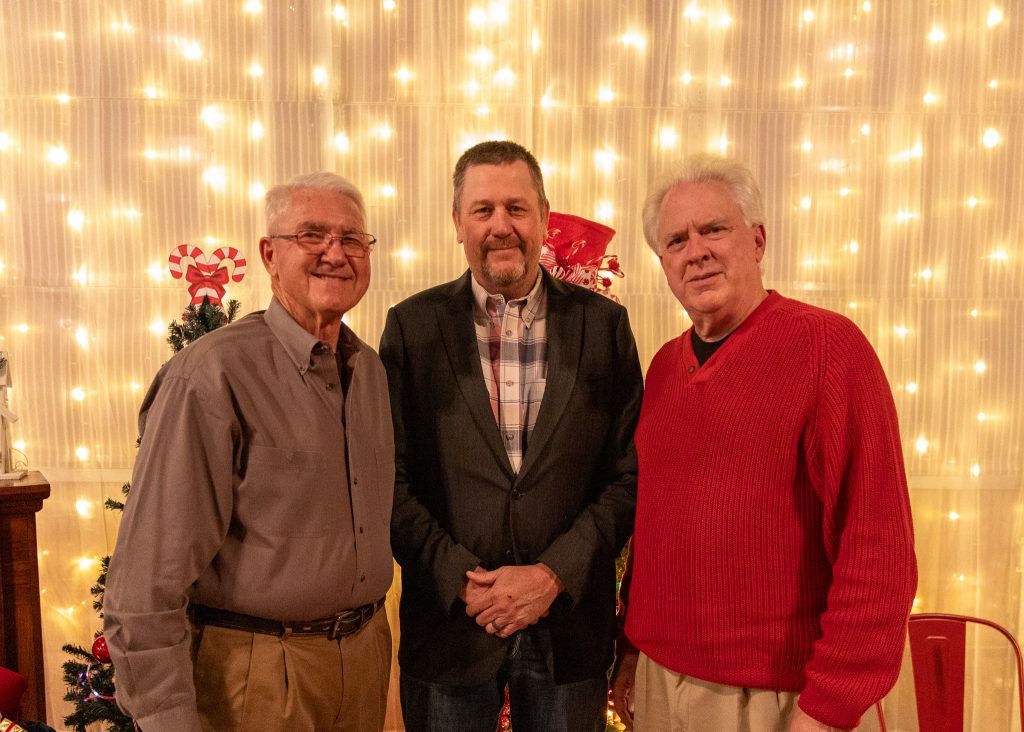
pixel 937 652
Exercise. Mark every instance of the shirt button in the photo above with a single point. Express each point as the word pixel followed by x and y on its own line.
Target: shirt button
pixel 508 435
pixel 355 481
pixel 362 578
pixel 508 332
pixel 330 387
pixel 360 529
pixel 690 370
pixel 509 382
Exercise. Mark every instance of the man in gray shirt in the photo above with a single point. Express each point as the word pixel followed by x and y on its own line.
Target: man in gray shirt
pixel 247 584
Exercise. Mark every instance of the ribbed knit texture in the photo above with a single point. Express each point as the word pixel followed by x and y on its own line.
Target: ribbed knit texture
pixel 773 544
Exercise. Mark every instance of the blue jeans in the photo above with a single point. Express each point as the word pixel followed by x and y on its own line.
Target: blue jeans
pixel 537 703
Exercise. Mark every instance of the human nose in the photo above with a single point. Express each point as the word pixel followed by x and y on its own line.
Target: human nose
pixel 501 224
pixel 697 249
pixel 333 253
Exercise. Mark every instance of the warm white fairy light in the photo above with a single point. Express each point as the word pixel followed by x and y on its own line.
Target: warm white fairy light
pixel 535 41
pixel 668 137
pixel 546 101
pixel 605 95
pixel 63 98
pixel 847 72
pixel 156 271
pixel 19 445
pixel 921 444
pixel 605 159
pixel 57 155
pixel 257 191
pixel 256 130
pixel 405 254
pixel 504 76
pixel 976 470
pixel 340 14
pixel 22 327
pixel 912 387
pixel 930 98
pixel 216 177
pixel 82 336
pixel 60 36
pixel 972 202
pixel 76 219
pixel 693 11
pixel 482 56
pixel 901 331
pixel 342 143
pixel 954 516
pixel 387 190
pixel 720 144
pixel 937 35
pixel 980 366
pixel 991 137
pixel 82 453
pixel 805 202
pixel 993 84
pixel 633 39
pixel 84 507
pixel 255 69
pixel 122 26
pixel 925 274
pixel 5 142
pixel 686 78
pixel 404 74
pixel 982 416
pixel 78 394
pixel 212 116
pixel 806 145
pixel 383 131
pixel 723 21
pixel 725 81
pixel 853 246
pixel 844 192
pixel 389 6
pixel 191 50
pixel 81 276
pixel 253 7
pixel 798 82
pixel 604 211
pixel 904 215
pixel 999 255
pixel 973 312
pixel 319 75
pixel 86 563
pixel 477 16
pixel 865 129
pixel 994 18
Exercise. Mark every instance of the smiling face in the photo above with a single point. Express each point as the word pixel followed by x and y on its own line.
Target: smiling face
pixel 315 289
pixel 710 256
pixel 501 224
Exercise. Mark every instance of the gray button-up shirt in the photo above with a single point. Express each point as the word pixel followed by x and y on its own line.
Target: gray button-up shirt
pixel 261 487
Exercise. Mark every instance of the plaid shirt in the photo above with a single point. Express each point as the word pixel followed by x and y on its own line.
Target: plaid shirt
pixel 512 336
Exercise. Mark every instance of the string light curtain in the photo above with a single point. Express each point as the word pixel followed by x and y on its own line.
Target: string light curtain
pixel 888 136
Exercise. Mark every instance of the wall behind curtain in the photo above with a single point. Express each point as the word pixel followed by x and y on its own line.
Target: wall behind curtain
pixel 888 136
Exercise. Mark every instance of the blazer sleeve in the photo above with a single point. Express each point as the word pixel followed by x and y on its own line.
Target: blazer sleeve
pixel 603 527
pixel 417 539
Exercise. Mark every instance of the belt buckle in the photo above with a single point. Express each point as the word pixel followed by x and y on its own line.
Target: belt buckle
pixel 335 632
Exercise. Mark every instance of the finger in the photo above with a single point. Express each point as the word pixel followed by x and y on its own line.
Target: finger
pixel 482 577
pixel 478 605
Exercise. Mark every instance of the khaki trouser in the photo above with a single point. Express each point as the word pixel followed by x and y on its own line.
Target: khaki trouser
pixel 250 681
pixel 671 702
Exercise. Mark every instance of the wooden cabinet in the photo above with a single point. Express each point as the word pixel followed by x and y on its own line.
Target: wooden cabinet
pixel 21 642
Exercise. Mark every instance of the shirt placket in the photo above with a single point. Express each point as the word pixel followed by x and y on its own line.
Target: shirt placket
pixel 510 383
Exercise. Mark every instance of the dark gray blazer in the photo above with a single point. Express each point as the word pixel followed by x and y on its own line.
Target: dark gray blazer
pixel 458 503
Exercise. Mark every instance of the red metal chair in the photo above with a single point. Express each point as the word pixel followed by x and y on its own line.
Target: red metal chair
pixel 938 651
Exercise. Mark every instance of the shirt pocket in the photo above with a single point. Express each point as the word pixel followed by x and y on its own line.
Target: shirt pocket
pixel 284 493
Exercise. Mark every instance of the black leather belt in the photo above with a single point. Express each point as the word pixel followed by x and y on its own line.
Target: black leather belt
pixel 334 627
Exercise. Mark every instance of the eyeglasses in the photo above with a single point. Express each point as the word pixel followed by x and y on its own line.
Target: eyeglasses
pixel 353 243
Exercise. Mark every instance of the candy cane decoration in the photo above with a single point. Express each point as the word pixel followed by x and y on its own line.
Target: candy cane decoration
pixel 184 251
pixel 229 254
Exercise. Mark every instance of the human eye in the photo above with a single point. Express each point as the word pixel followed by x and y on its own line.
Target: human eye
pixel 354 240
pixel 715 231
pixel 675 244
pixel 310 238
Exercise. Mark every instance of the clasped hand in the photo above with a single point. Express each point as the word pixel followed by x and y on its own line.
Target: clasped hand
pixel 510 598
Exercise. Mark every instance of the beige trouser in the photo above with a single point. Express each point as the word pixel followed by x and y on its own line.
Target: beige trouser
pixel 250 681
pixel 670 702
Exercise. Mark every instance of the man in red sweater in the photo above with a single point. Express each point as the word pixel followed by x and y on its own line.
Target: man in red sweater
pixel 773 564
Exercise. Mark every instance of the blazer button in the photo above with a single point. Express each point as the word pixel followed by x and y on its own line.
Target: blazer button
pixel 516 493
pixel 508 553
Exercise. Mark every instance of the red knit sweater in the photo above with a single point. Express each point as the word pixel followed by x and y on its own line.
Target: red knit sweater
pixel 773 545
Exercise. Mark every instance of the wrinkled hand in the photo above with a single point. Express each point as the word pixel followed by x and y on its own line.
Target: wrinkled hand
pixel 471 592
pixel 803 723
pixel 623 684
pixel 510 598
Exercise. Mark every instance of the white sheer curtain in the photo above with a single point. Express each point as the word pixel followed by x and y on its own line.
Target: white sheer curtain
pixel 889 138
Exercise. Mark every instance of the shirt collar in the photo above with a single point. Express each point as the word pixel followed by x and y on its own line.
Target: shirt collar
pixel 300 344
pixel 531 306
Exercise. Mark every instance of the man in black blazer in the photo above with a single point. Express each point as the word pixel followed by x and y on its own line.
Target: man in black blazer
pixel 514 397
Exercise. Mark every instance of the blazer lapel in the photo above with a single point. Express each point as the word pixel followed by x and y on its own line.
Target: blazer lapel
pixel 565 341
pixel 455 319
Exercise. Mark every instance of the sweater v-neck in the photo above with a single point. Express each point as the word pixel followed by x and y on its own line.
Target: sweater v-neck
pixel 693 372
